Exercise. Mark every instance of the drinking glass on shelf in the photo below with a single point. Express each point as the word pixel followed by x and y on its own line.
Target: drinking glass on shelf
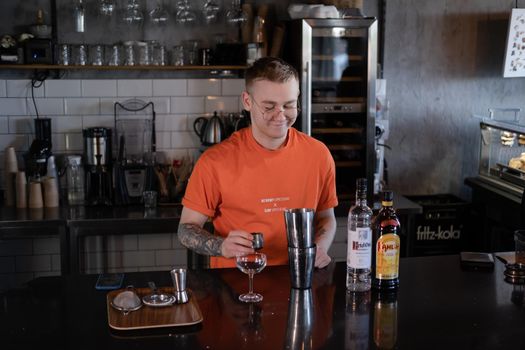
pixel 113 53
pixel 177 55
pixel 159 15
pixel 251 264
pixel 191 51
pixel 96 54
pixel 64 54
pixel 129 53
pixel 184 13
pixel 80 55
pixel 235 14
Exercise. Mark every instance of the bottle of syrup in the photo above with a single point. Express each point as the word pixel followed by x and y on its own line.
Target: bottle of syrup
pixel 386 246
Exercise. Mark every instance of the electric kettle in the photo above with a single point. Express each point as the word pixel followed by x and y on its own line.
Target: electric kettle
pixel 210 131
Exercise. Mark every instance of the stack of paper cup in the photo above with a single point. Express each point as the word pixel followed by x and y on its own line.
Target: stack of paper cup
pixel 11 168
pixel 50 192
pixel 21 189
pixel 35 195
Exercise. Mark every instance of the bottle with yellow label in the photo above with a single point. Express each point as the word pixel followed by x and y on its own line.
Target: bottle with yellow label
pixel 386 246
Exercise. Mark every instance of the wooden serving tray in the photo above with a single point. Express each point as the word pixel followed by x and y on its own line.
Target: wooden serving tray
pixel 154 317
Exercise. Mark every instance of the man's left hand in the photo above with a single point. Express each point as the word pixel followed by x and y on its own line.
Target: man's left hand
pixel 322 258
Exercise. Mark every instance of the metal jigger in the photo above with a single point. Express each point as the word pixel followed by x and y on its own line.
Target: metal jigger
pixel 301 247
pixel 178 276
pixel 300 320
pixel 258 240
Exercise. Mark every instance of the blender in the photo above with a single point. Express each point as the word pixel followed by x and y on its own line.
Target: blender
pixel 135 134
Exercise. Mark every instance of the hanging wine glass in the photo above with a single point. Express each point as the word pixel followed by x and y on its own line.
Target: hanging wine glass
pixel 106 7
pixel 235 14
pixel 159 15
pixel 184 13
pixel 132 13
pixel 210 9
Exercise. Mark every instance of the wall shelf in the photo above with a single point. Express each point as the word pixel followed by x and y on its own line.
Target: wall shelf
pixel 120 68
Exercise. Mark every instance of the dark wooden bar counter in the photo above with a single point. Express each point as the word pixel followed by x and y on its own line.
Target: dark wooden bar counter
pixel 438 306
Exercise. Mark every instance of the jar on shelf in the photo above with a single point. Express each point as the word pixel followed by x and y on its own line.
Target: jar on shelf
pixel 75 180
pixel 129 53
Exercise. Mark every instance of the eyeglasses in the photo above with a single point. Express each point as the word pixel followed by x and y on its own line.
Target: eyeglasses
pixel 269 109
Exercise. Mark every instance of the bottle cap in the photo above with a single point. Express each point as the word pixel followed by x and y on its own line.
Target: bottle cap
pixel 388 196
pixel 361 183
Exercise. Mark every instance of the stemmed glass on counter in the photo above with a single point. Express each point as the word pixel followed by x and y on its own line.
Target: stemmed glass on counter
pixel 251 264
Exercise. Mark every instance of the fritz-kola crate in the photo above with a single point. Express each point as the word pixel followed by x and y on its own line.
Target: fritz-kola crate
pixel 441 228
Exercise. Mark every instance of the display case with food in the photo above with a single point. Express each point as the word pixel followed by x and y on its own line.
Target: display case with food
pixel 502 150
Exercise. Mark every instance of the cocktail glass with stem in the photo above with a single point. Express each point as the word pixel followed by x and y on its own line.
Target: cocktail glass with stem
pixel 251 264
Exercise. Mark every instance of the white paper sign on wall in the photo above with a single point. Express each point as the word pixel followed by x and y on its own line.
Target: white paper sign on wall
pixel 515 52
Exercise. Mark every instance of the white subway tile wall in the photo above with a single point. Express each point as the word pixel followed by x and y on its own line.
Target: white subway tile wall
pixel 75 104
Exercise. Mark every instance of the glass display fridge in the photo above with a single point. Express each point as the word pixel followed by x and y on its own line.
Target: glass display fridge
pixel 336 60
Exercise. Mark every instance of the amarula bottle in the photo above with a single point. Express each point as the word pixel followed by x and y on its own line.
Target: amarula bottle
pixel 358 258
pixel 386 246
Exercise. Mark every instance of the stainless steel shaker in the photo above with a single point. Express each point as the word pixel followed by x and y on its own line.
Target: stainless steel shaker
pixel 301 246
pixel 299 227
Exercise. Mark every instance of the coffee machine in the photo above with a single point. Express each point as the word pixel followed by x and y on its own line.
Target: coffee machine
pixel 98 166
pixel 135 132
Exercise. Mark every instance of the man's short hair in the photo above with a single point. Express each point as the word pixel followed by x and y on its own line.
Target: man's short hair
pixel 272 69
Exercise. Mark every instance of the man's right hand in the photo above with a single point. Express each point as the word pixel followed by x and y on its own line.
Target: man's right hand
pixel 238 242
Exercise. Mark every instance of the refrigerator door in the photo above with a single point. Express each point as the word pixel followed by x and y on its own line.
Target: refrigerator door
pixel 336 60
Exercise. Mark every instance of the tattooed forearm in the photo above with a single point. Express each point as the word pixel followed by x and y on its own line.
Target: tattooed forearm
pixel 325 231
pixel 199 240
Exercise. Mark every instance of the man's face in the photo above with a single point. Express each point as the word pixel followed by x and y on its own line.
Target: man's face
pixel 273 107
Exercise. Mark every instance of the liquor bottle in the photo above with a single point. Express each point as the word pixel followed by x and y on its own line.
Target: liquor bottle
pixel 358 258
pixel 357 317
pixel 386 246
pixel 385 319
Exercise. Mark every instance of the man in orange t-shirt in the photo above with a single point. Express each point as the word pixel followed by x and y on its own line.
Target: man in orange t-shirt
pixel 246 182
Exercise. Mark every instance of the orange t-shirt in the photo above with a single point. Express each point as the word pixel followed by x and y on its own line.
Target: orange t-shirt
pixel 243 186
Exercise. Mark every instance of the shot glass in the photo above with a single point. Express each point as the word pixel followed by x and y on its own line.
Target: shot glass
pixel 178 277
pixel 150 199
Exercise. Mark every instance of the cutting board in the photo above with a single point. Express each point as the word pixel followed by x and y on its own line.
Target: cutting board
pixel 154 317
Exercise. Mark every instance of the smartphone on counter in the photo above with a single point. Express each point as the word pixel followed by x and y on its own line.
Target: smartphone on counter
pixel 109 281
pixel 477 260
